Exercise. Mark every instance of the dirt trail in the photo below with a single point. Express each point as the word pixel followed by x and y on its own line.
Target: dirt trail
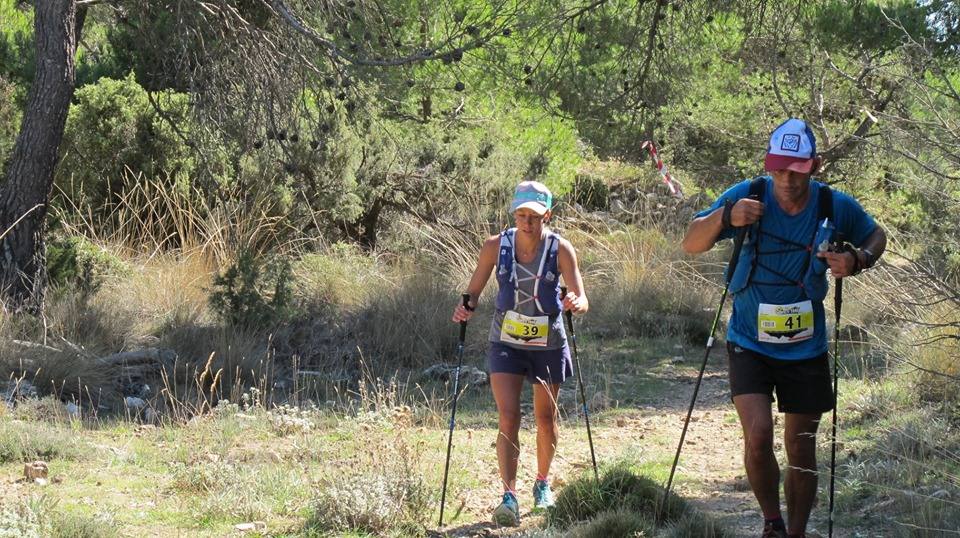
pixel 710 474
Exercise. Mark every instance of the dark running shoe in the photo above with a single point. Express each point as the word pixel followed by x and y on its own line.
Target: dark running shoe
pixel 774 530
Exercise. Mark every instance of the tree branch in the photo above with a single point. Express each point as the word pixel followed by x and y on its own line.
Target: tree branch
pixel 424 55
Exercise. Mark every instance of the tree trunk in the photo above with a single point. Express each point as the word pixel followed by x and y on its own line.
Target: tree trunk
pixel 25 194
pixel 363 231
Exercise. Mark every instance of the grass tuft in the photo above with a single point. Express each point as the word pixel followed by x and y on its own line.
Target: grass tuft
pixel 585 499
pixel 696 525
pixel 28 441
pixel 74 525
pixel 620 522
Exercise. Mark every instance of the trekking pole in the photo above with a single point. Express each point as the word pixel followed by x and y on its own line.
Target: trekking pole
pixel 731 267
pixel 568 315
pixel 837 304
pixel 453 413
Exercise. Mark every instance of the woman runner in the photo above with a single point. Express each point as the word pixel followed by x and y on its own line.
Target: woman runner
pixel 527 337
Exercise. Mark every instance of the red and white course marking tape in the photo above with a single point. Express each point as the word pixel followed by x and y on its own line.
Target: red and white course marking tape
pixel 675 188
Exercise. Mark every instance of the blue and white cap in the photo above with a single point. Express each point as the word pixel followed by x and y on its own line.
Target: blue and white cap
pixel 792 147
pixel 532 195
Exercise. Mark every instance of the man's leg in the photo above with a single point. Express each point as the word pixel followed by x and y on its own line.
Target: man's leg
pixel 756 418
pixel 800 485
pixel 548 427
pixel 506 392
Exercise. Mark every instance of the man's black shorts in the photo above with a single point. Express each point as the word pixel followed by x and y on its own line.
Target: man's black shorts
pixel 803 386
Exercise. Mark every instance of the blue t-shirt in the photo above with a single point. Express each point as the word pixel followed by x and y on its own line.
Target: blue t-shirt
pixel 850 219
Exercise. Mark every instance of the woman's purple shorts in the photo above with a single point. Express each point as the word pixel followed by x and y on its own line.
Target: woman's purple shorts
pixel 552 366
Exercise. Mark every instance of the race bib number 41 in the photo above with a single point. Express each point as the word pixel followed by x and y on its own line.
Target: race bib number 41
pixel 785 323
pixel 525 330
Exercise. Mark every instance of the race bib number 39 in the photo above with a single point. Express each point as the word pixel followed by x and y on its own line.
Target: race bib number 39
pixel 785 323
pixel 525 330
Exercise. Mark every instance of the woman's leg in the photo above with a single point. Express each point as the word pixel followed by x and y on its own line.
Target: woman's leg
pixel 548 425
pixel 506 392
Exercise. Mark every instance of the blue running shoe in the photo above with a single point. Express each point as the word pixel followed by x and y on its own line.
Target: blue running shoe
pixel 508 513
pixel 542 496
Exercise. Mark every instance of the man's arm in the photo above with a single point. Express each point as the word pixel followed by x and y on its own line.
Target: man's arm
pixel 843 264
pixel 876 244
pixel 703 231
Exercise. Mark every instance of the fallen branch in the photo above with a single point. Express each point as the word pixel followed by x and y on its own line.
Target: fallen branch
pixel 161 357
pixel 34 345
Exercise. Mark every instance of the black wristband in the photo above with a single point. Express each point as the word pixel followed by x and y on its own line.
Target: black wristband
pixel 727 211
pixel 869 257
pixel 857 266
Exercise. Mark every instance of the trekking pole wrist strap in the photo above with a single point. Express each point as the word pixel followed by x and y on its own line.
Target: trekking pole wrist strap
pixel 727 213
pixel 858 265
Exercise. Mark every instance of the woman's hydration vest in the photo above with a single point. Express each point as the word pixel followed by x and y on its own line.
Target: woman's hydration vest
pixel 546 287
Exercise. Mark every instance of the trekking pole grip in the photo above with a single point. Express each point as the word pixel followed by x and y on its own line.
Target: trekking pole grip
pixel 566 313
pixel 737 247
pixel 839 246
pixel 463 324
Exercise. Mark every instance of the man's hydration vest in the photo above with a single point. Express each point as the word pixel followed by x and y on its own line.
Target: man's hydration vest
pixel 546 294
pixel 813 279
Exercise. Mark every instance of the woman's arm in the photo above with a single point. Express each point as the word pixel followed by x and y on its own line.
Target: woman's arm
pixel 576 299
pixel 485 265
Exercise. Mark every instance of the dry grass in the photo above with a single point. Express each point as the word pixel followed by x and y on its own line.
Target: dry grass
pixel 151 217
pixel 380 487
pixel 899 463
pixel 371 320
pixel 391 309
pixel 643 285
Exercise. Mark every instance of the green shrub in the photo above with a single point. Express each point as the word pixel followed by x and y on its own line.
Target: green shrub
pixel 77 261
pixel 372 505
pixel 17 50
pixel 579 500
pixel 204 477
pixel 113 130
pixel 37 517
pixel 9 120
pixel 20 519
pixel 253 293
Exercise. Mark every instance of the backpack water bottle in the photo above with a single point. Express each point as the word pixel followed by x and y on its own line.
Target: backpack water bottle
pixel 822 243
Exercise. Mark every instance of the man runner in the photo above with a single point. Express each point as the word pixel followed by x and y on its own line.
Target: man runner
pixel 777 340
